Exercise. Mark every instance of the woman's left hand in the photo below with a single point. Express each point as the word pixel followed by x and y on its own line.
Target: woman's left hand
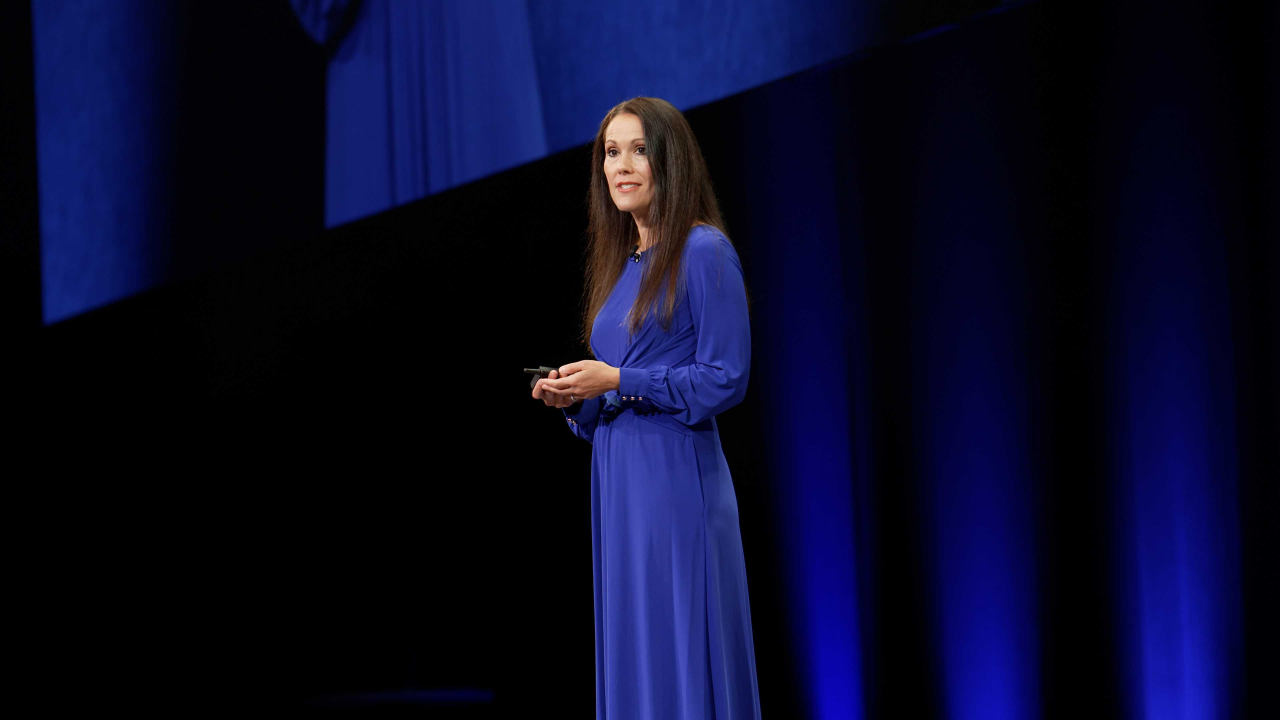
pixel 584 380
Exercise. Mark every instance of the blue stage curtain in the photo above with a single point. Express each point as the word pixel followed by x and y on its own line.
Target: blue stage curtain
pixel 423 97
pixel 593 54
pixel 106 90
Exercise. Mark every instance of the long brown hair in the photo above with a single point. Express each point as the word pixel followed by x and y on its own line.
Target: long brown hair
pixel 682 198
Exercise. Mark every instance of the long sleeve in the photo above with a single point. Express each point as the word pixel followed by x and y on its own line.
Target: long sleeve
pixel 716 380
pixel 582 421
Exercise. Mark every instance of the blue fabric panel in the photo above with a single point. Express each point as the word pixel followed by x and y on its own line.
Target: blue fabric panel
pixel 593 55
pixel 105 85
pixel 425 96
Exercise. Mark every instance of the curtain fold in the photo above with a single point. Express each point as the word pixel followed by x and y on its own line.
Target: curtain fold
pixel 422 97
pixel 326 21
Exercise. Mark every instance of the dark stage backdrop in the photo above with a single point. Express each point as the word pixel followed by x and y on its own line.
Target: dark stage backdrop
pixel 1009 449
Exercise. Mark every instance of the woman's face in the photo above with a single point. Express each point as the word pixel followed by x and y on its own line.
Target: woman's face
pixel 626 166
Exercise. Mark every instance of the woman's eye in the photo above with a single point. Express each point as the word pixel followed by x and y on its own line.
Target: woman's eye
pixel 640 149
pixel 611 151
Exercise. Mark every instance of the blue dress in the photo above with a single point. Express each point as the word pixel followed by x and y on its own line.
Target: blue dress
pixel 673 624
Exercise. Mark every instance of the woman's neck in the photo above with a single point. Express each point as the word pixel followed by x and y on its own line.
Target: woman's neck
pixel 642 226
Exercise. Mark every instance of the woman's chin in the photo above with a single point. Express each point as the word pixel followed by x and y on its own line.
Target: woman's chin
pixel 627 206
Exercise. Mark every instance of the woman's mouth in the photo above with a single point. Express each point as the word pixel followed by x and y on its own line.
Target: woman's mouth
pixel 627 187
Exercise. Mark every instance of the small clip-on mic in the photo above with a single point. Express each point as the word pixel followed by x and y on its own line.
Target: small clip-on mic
pixel 635 253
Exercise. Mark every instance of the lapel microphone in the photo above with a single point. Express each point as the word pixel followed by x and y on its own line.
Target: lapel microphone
pixel 635 253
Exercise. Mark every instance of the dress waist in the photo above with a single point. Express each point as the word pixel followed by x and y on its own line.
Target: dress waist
pixel 615 406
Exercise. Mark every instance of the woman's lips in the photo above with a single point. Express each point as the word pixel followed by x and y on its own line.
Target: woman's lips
pixel 627 187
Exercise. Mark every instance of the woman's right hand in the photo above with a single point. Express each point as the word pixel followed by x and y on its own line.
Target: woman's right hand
pixel 551 399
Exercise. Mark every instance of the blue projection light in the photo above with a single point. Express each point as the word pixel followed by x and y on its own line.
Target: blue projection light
pixel 1173 456
pixel 1168 212
pixel 969 400
pixel 810 456
pixel 1177 483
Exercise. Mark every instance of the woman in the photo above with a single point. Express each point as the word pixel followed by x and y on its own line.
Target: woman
pixel 666 316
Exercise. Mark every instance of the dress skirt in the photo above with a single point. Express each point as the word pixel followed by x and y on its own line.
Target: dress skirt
pixel 673 622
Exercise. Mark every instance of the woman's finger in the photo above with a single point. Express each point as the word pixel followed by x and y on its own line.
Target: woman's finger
pixel 560 385
pixel 548 397
pixel 539 389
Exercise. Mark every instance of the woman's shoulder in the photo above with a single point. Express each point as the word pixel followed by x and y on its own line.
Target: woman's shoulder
pixel 707 242
pixel 707 250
